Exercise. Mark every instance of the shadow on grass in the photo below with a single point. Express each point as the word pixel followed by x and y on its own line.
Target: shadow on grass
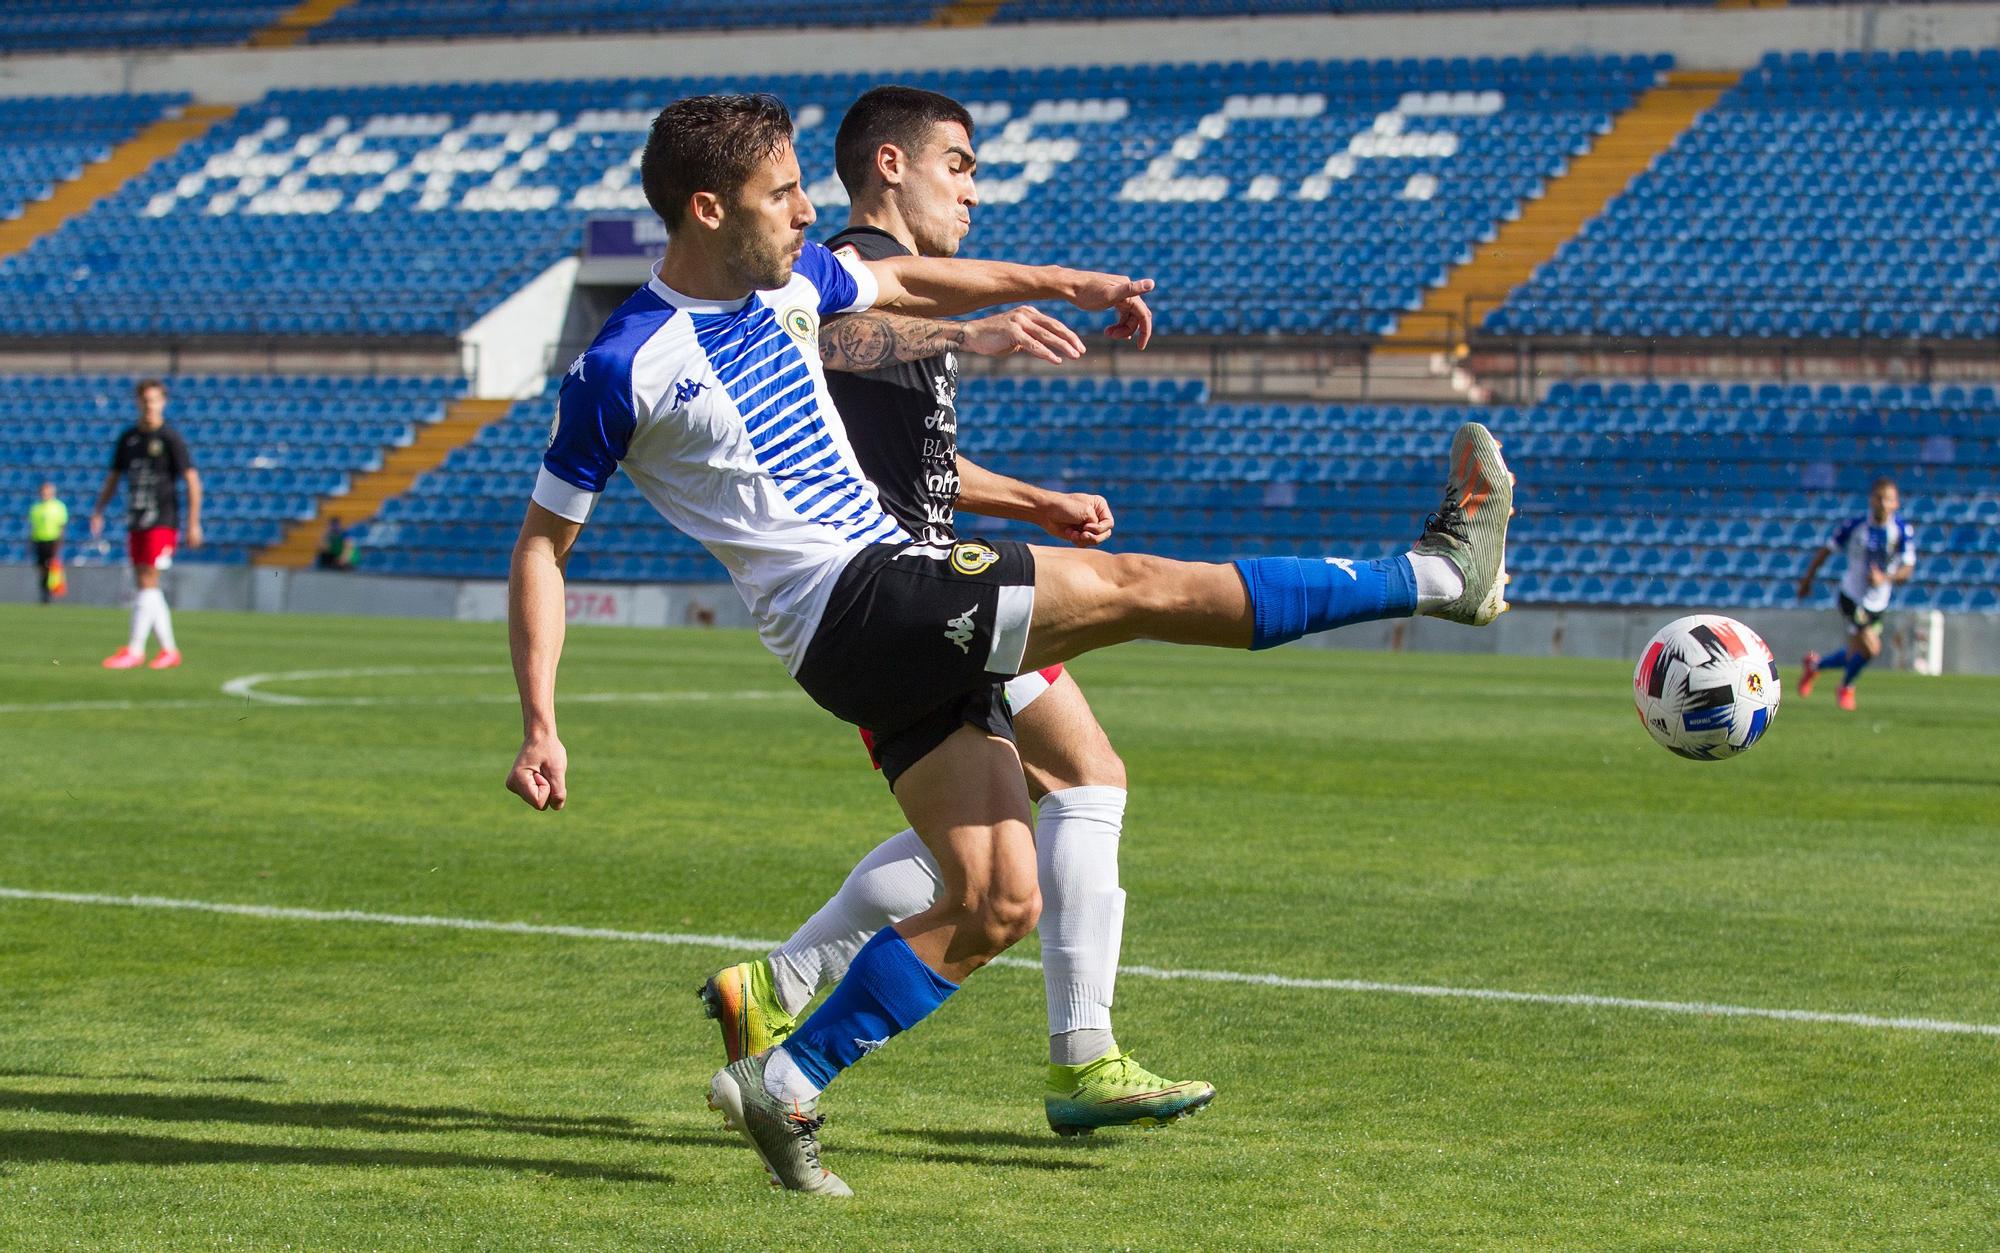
pixel 96 1148
pixel 956 1136
pixel 838 1151
pixel 136 1078
pixel 339 1116
pixel 1052 1154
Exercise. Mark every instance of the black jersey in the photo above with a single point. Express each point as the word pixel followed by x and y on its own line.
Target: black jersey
pixel 903 419
pixel 153 463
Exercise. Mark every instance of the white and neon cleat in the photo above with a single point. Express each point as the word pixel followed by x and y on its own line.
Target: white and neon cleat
pixel 1470 528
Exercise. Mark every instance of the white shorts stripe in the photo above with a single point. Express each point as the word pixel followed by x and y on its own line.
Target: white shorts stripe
pixel 1011 618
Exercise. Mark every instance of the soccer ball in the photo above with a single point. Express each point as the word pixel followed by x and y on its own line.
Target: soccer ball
pixel 1706 687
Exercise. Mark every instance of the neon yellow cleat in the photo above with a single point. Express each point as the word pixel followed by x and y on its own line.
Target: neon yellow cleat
pixel 744 1002
pixel 1116 1091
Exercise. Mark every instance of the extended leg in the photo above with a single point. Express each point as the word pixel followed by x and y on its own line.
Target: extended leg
pixel 1088 599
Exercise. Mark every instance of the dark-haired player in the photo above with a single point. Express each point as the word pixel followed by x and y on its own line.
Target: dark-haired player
pixel 153 460
pixel 906 158
pixel 706 388
pixel 1881 553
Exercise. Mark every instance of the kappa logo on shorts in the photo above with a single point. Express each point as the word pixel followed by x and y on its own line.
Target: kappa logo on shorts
pixel 973 557
pixel 801 323
pixel 959 631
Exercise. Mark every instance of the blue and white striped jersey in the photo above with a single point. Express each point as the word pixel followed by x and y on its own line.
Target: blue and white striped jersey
pixel 719 414
pixel 1866 546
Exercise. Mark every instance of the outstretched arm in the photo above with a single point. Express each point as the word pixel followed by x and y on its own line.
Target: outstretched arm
pixel 944 287
pixel 535 626
pixel 1812 572
pixel 876 338
pixel 1082 519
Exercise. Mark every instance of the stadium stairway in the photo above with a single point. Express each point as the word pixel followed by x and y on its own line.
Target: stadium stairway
pixel 967 12
pixel 462 421
pixel 295 26
pixel 1547 222
pixel 102 179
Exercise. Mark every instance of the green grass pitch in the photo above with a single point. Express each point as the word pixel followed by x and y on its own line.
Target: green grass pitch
pixel 178 1079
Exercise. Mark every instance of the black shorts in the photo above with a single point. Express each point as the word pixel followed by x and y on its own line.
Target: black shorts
pixel 1858 618
pixel 46 550
pixel 918 640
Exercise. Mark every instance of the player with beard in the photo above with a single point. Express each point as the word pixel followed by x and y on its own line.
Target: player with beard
pixel 906 158
pixel 706 389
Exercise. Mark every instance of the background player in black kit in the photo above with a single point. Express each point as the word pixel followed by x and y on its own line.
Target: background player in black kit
pixel 906 159
pixel 153 460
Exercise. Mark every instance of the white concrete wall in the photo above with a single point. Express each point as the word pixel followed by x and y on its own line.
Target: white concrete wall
pixel 1698 38
pixel 509 352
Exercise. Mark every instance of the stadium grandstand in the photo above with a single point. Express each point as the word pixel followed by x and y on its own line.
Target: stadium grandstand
pixel 1710 271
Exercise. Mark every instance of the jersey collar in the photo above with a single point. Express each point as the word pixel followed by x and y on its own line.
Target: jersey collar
pixel 692 304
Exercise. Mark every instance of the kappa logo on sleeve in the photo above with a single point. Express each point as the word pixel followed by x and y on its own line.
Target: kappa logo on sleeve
pixel 687 391
pixel 973 557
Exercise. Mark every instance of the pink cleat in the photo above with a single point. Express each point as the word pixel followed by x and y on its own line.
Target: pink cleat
pixel 1845 699
pixel 124 659
pixel 167 660
pixel 1808 670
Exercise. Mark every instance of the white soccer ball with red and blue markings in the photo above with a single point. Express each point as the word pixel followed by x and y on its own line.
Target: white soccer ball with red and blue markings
pixel 1706 687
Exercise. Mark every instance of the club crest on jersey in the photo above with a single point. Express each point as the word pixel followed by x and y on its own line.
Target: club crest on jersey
pixel 801 324
pixel 973 557
pixel 155 447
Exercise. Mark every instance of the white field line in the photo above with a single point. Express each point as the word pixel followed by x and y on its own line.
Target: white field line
pixel 247 690
pixel 732 943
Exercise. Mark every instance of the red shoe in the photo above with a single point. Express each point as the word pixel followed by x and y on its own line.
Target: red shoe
pixel 124 659
pixel 167 660
pixel 1845 699
pixel 1807 669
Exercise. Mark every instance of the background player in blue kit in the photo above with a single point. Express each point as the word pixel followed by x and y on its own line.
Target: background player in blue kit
pixel 906 159
pixel 706 389
pixel 1881 553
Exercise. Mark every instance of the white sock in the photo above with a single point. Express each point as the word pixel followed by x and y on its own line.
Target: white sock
pixel 1083 909
pixel 897 878
pixel 1081 1047
pixel 142 617
pixel 163 621
pixel 784 1080
pixel 1438 581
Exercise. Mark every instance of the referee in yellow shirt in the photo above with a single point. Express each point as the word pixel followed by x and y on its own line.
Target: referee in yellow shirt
pixel 48 517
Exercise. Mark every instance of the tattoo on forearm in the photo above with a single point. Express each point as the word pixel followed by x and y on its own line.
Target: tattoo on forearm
pixel 872 340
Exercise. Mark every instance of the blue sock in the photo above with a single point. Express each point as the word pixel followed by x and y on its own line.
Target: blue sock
pixel 1292 597
pixel 887 990
pixel 1856 661
pixel 1833 660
